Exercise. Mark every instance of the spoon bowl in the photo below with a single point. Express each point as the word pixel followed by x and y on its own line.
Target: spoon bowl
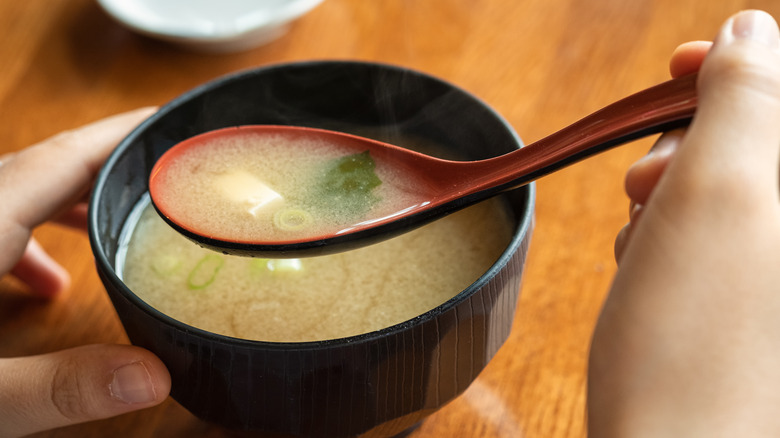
pixel 441 186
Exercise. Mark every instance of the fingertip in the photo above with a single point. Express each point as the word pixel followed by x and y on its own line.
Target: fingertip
pixel 43 275
pixel 643 175
pixel 750 25
pixel 138 378
pixel 688 57
pixel 140 383
pixel 159 376
pixel 734 136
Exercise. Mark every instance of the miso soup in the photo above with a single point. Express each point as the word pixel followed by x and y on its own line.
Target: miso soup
pixel 318 298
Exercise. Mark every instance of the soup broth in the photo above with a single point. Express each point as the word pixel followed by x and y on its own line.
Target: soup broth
pixel 318 298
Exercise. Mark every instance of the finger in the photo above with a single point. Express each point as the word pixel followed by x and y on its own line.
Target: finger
pixel 45 277
pixel 687 58
pixel 78 385
pixel 56 171
pixel 643 175
pixel 42 180
pixel 739 85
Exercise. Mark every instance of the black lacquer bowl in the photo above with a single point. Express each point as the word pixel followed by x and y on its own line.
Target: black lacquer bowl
pixel 376 384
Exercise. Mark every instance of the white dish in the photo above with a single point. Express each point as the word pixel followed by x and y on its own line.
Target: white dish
pixel 209 25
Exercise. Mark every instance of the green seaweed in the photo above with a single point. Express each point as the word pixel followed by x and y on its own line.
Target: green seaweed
pixel 348 183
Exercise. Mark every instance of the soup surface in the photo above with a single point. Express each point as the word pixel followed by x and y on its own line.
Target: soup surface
pixel 318 298
pixel 252 185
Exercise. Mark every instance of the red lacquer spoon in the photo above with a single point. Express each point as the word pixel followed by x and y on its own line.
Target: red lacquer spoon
pixel 443 186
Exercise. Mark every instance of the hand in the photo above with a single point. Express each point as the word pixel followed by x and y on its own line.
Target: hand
pixel 688 341
pixel 50 181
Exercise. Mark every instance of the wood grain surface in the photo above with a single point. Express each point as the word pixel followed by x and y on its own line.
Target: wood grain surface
pixel 541 63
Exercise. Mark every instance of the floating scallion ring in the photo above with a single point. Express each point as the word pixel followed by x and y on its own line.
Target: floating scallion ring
pixel 292 219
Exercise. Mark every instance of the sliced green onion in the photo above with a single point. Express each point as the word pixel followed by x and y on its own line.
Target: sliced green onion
pixel 292 219
pixel 205 272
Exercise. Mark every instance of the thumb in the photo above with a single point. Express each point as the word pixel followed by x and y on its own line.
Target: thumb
pixel 739 86
pixel 78 385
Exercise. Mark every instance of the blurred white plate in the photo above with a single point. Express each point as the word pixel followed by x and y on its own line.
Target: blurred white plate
pixel 209 25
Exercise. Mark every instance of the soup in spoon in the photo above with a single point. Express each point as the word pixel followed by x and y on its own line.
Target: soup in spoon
pixel 247 185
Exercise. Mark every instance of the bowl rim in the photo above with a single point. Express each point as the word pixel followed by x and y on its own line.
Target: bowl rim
pixel 521 232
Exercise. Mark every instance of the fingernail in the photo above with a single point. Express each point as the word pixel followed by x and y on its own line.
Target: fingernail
pixel 756 26
pixel 132 384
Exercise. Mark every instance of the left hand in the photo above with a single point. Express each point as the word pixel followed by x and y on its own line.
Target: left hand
pixel 50 181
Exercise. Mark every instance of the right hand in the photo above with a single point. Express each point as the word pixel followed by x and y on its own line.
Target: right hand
pixel 688 341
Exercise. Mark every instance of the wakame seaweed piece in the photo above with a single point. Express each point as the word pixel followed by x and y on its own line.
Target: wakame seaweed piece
pixel 352 174
pixel 348 183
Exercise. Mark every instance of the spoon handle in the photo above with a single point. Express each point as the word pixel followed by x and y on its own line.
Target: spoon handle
pixel 660 108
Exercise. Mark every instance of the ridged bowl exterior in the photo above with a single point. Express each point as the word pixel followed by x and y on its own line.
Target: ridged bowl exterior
pixel 377 384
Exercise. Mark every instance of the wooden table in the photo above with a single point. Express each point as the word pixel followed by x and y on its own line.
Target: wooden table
pixel 540 63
